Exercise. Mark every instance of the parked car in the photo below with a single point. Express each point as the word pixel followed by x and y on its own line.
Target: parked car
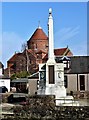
pixel 3 89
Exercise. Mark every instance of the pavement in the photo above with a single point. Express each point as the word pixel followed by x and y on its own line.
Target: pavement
pixel 6 105
pixel 83 102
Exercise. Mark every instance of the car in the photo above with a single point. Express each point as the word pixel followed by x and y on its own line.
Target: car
pixel 3 89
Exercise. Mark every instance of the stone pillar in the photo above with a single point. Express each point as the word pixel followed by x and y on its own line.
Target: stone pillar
pixel 51 38
pixel 54 71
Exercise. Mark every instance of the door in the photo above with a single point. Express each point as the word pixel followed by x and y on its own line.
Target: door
pixel 82 82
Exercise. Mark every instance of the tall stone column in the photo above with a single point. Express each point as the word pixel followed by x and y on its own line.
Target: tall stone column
pixel 51 38
pixel 54 82
pixel 50 65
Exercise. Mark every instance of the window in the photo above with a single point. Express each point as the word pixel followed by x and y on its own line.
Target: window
pixel 35 46
pixel 82 82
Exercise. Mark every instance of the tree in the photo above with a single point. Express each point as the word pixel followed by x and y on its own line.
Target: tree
pixel 22 74
pixel 24 46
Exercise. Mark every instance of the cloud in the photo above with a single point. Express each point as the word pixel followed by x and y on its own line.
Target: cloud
pixel 67 33
pixel 11 42
pixel 72 37
pixel 80 49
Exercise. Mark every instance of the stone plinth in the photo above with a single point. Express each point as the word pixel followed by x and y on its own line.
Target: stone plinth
pixel 55 87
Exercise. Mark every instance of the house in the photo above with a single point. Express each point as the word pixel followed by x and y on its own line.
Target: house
pixel 77 76
pixel 4 81
pixel 20 84
pixel 26 85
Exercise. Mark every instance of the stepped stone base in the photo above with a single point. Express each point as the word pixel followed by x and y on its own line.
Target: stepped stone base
pixel 66 101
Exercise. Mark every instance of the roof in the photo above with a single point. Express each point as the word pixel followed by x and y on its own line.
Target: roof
pixel 59 52
pixel 39 35
pixel 20 80
pixel 79 64
pixel 3 77
pixel 14 57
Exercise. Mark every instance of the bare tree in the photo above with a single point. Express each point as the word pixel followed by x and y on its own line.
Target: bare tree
pixel 24 47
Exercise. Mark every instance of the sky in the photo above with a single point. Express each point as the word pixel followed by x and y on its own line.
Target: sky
pixel 20 20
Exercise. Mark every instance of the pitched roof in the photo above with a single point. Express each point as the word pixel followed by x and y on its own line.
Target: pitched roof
pixel 14 57
pixel 59 52
pixel 79 64
pixel 39 35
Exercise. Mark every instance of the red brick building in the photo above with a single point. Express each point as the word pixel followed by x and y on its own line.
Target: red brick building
pixel 38 41
pixel 36 52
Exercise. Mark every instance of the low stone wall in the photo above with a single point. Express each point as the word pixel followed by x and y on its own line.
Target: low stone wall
pixel 44 108
pixel 78 94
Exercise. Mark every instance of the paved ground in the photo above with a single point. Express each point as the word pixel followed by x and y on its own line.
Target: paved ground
pixel 7 105
pixel 84 102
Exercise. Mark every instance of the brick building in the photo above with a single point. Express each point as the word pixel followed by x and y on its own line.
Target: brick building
pixel 36 52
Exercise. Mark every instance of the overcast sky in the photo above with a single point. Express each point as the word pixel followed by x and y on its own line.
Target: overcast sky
pixel 20 20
